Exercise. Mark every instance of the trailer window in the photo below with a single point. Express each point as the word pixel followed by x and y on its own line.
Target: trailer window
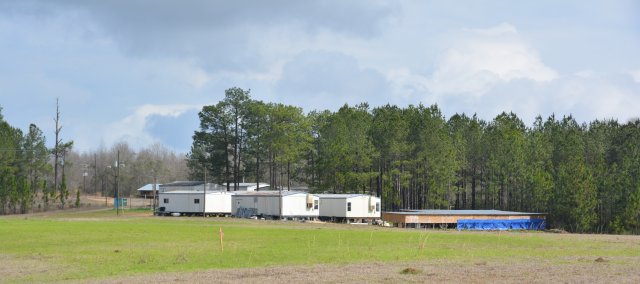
pixel 315 204
pixel 196 201
pixel 166 200
pixel 349 206
pixel 377 206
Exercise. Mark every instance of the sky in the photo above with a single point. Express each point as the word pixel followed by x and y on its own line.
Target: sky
pixel 138 71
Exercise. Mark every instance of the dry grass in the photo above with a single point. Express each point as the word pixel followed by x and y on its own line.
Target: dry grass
pixel 428 271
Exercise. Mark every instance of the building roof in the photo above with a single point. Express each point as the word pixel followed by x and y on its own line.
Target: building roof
pixel 196 183
pixel 183 183
pixel 262 184
pixel 268 193
pixel 340 196
pixel 197 192
pixel 149 187
pixel 462 212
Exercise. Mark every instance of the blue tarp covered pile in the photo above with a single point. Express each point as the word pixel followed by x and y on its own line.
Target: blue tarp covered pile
pixel 502 225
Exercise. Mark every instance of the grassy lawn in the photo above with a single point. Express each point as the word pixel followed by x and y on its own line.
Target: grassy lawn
pixel 92 245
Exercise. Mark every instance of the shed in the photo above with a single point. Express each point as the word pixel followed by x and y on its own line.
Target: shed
pixel 349 207
pixel 191 202
pixel 466 219
pixel 276 204
pixel 146 191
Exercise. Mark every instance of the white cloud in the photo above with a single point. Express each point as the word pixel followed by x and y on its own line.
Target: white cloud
pixel 635 74
pixel 327 80
pixel 481 59
pixel 597 98
pixel 586 74
pixel 498 30
pixel 133 127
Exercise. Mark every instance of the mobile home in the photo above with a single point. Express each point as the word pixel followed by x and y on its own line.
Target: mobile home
pixel 188 202
pixel 349 207
pixel 276 204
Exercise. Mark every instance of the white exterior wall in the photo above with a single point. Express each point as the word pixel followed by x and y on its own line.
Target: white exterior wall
pixel 360 207
pixel 296 205
pixel 217 202
pixel 293 205
pixel 333 207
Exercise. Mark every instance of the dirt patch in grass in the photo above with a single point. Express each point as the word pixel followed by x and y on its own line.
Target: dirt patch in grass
pixel 431 271
pixel 15 268
pixel 410 270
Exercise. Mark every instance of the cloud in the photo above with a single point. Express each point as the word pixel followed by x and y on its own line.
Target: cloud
pixel 635 74
pixel 484 58
pixel 135 128
pixel 499 30
pixel 223 35
pixel 598 97
pixel 327 80
pixel 174 131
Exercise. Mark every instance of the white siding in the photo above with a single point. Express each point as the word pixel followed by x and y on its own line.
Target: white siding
pixel 360 207
pixel 293 205
pixel 336 206
pixel 217 202
pixel 296 205
pixel 333 207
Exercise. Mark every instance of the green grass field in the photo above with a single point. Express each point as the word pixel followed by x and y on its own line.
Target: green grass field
pixel 95 245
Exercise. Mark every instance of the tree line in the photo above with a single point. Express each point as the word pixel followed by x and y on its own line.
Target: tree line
pixel 36 178
pixel 585 176
pixel 25 168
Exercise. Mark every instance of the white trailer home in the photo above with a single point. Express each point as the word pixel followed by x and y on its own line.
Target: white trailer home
pixel 276 204
pixel 188 202
pixel 349 207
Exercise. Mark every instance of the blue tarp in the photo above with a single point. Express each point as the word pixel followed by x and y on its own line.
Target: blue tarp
pixel 501 225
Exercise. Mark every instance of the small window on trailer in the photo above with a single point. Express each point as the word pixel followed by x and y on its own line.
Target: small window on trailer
pixel 377 206
pixel 349 206
pixel 315 204
pixel 166 200
pixel 196 201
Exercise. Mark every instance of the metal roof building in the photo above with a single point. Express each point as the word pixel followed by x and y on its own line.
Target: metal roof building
pixel 147 190
pixel 464 219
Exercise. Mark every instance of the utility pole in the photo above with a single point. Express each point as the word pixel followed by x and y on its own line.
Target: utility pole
pixel 117 173
pixel 84 176
pixel 155 182
pixel 204 199
pixel 116 193
pixel 95 174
